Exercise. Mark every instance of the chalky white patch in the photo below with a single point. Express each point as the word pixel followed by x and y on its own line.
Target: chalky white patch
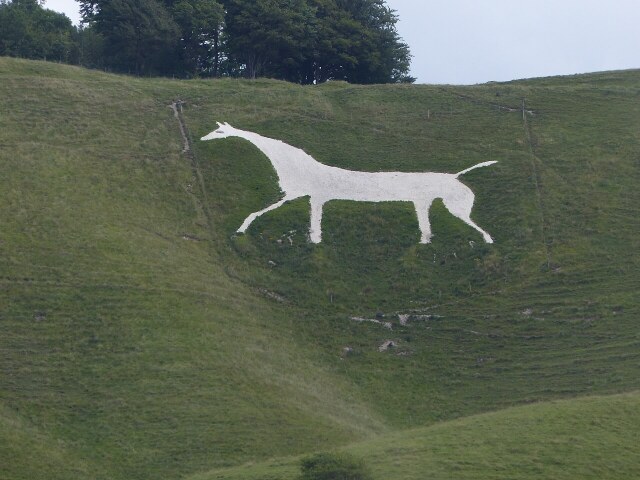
pixel 301 175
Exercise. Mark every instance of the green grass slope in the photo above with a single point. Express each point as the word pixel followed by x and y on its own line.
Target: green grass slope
pixel 120 337
pixel 589 438
pixel 27 452
pixel 140 338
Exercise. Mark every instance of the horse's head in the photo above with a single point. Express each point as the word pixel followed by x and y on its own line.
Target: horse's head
pixel 224 130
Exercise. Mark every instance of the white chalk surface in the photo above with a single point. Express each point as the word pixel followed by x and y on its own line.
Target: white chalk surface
pixel 301 175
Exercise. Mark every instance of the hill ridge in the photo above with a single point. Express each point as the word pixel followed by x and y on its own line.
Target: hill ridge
pixel 433 449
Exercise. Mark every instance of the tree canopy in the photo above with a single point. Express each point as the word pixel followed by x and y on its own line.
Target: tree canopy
pixel 311 41
pixel 30 31
pixel 140 36
pixel 303 41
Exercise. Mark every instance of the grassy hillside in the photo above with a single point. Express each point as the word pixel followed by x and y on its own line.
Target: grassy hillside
pixel 141 338
pixel 589 438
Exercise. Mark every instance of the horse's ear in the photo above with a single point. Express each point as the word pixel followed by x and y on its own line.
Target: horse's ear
pixel 227 124
pixel 219 124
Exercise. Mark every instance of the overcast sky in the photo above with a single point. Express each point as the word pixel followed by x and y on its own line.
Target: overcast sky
pixel 473 41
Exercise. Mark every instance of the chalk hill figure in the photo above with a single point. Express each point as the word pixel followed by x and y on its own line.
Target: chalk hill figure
pixel 301 175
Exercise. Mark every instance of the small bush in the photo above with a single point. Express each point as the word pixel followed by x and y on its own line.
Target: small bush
pixel 330 466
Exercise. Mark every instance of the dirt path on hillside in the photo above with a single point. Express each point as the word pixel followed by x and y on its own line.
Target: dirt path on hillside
pixel 200 197
pixel 177 112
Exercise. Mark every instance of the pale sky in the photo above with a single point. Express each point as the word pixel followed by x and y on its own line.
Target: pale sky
pixel 473 41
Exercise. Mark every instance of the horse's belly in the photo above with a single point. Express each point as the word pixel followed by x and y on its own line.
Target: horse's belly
pixel 381 187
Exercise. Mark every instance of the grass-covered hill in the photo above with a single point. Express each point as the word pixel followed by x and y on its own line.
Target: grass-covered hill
pixel 588 438
pixel 141 339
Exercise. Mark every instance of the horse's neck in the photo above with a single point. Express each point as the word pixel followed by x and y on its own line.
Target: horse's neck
pixel 281 155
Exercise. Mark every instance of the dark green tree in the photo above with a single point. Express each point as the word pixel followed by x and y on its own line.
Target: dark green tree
pixel 381 55
pixel 200 23
pixel 180 37
pixel 335 50
pixel 329 466
pixel 140 36
pixel 303 41
pixel 90 45
pixel 30 31
pixel 270 37
pixel 309 41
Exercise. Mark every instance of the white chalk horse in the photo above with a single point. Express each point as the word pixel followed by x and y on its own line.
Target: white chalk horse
pixel 300 175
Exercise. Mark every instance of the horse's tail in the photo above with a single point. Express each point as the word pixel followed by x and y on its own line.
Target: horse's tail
pixel 480 165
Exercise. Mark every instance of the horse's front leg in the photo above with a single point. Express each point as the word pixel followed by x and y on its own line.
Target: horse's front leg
pixel 315 231
pixel 422 209
pixel 249 220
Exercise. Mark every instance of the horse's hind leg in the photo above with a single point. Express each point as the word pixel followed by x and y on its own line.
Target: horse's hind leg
pixel 461 208
pixel 422 210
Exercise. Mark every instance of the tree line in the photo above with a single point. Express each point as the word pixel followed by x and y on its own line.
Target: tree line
pixel 303 41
